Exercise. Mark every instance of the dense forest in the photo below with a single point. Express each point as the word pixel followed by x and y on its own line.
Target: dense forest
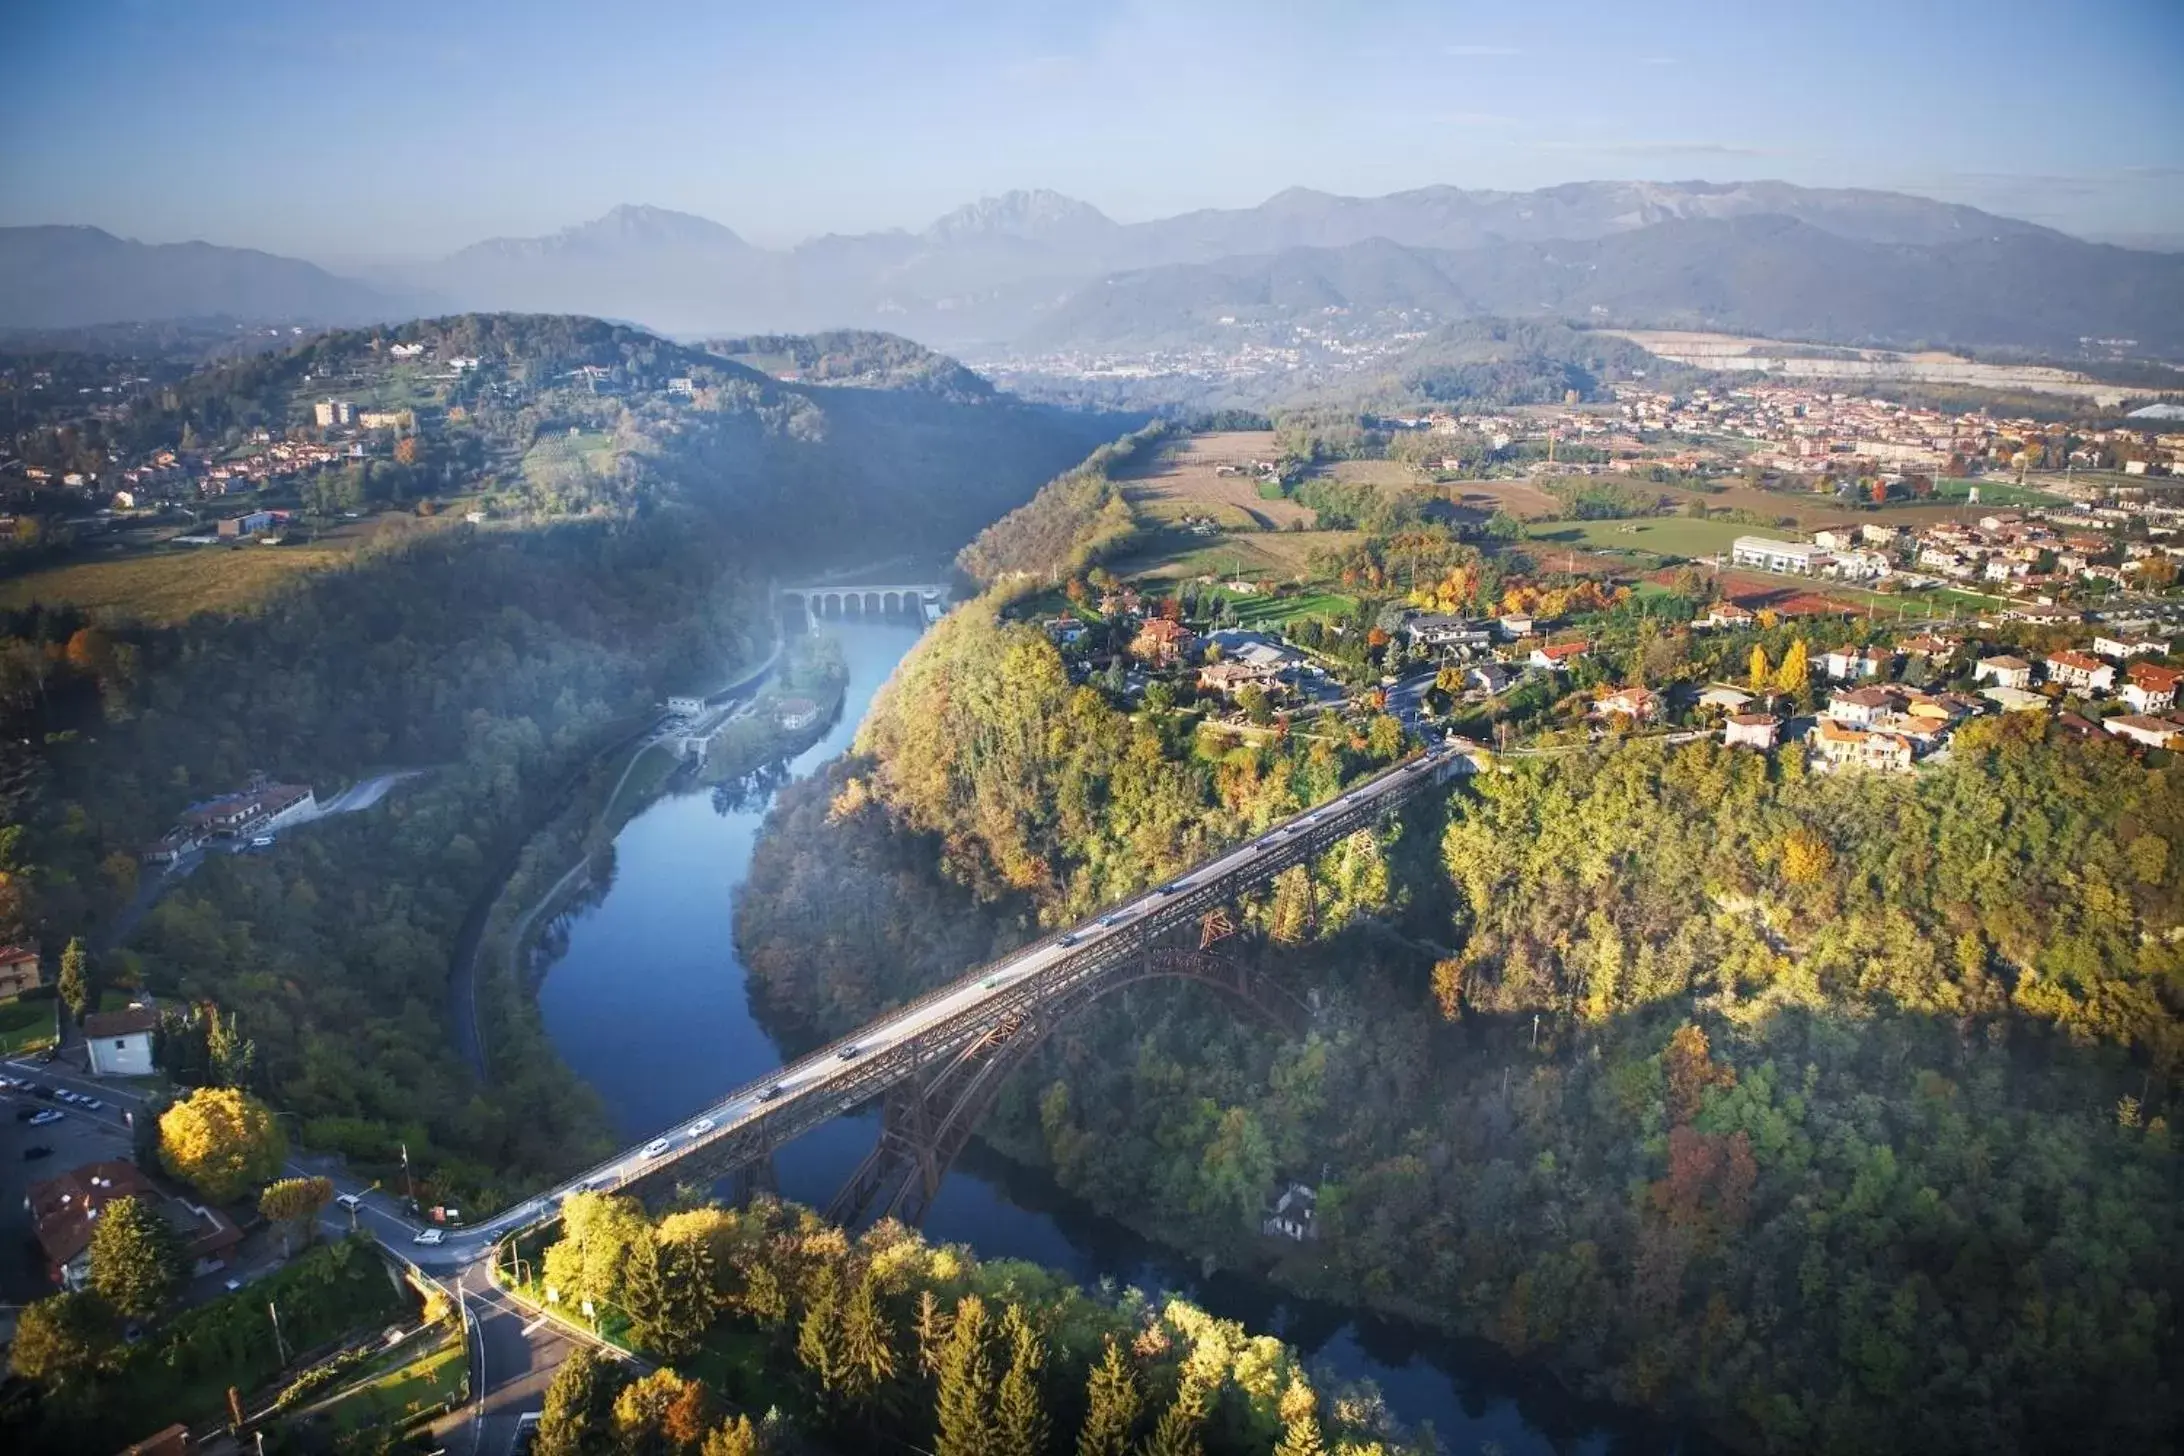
pixel 491 663
pixel 786 1334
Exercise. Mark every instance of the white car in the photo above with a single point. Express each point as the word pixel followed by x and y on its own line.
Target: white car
pixel 701 1127
pixel 91 1102
pixel 51 1114
pixel 656 1147
pixel 430 1236
pixel 349 1200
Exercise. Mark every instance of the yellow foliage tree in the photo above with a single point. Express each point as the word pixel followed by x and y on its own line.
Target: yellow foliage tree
pixel 1806 857
pixel 221 1141
pixel 1795 674
pixel 1761 672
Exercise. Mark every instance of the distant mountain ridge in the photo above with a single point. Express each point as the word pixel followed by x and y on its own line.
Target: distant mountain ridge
pixel 66 277
pixel 1039 269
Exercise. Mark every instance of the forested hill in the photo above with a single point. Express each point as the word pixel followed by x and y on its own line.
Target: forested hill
pixel 617 562
pixel 855 356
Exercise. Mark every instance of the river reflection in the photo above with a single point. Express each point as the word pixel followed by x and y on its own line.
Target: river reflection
pixel 647 1002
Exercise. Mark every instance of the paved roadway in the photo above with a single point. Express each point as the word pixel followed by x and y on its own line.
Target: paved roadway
pixel 812 1075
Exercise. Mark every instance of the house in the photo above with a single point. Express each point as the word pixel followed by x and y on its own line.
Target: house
pixel 19 971
pixel 2151 688
pixel 1926 645
pixel 386 419
pixel 1557 655
pixel 1637 704
pixel 1849 664
pixel 683 385
pixel 685 705
pixel 1161 641
pixel 1291 1213
pixel 256 810
pixel 2003 672
pixel 331 412
pixel 1750 730
pixel 239 526
pixel 1795 558
pixel 1490 678
pixel 2080 673
pixel 2130 645
pixel 120 1042
pixel 65 1209
pixel 2150 731
pixel 1727 614
pixel 1230 678
pixel 1840 746
pixel 172 845
pixel 2014 700
pixel 1726 698
pixel 1439 629
pixel 796 714
pixel 1515 625
pixel 1863 707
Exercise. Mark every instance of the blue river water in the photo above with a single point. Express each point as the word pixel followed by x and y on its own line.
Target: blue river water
pixel 647 1002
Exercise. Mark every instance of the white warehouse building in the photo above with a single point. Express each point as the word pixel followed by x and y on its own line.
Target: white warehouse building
pixel 1799 558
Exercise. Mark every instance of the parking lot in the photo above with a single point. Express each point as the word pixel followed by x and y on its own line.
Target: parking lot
pixel 79 1137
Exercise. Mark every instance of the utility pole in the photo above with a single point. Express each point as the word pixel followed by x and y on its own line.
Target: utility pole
pixel 280 1346
pixel 407 1177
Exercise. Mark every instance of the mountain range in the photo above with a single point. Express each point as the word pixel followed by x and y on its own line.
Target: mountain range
pixel 1035 270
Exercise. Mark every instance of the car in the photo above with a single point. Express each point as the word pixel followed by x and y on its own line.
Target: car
pixel 64 1095
pixel 848 1053
pixel 1111 919
pixel 350 1201
pixel 33 1154
pixel 235 1284
pixel 51 1114
pixel 770 1093
pixel 1068 938
pixel 701 1127
pixel 430 1236
pixel 92 1103
pixel 25 1114
pixel 656 1147
pixel 261 841
pixel 992 981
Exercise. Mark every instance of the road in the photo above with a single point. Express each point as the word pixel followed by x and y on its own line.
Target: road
pixel 812 1075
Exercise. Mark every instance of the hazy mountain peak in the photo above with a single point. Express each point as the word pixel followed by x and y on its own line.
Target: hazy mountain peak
pixel 629 225
pixel 1036 215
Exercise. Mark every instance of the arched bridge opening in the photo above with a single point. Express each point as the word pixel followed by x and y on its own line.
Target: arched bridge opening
pixel 926 1121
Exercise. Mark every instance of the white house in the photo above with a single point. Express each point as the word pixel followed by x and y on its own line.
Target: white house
pixel 2079 672
pixel 2150 688
pixel 1750 730
pixel 684 705
pixel 2134 646
pixel 2003 672
pixel 120 1042
pixel 2152 732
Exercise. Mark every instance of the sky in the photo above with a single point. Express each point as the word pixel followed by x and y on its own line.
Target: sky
pixel 400 130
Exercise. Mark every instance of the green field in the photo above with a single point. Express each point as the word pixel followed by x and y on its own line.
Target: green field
pixel 1656 535
pixel 1268 611
pixel 1258 556
pixel 175 584
pixel 27 1022
pixel 406 1384
pixel 1955 490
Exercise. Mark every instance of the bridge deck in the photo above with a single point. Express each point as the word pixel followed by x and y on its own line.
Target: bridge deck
pixel 744 1125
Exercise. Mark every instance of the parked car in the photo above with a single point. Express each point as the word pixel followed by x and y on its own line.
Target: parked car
pixel 51 1114
pixel 656 1147
pixel 33 1154
pixel 430 1236
pixel 25 1114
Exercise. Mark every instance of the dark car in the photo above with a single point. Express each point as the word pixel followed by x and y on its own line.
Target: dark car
pixel 32 1155
pixel 45 1092
pixel 25 1114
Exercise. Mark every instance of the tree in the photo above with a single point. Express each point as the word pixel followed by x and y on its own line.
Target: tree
pixel 733 1438
pixel 1300 1422
pixel 1176 1432
pixel 931 1325
pixel 75 986
pixel 965 1404
pixel 1795 674
pixel 659 1414
pixel 578 1418
pixel 819 1336
pixel 136 1260
pixel 221 1141
pixel 868 1342
pixel 61 1338
pixel 1761 674
pixel 234 1057
pixel 591 1260
pixel 1020 1420
pixel 296 1202
pixel 1111 1406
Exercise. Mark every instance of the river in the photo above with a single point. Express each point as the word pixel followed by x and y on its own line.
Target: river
pixel 647 1003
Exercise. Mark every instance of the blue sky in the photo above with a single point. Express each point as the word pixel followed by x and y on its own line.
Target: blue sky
pixel 400 129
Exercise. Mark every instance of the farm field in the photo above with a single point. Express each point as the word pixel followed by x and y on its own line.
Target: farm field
pixel 1270 611
pixel 1175 556
pixel 1183 482
pixel 1387 474
pixel 1520 498
pixel 175 583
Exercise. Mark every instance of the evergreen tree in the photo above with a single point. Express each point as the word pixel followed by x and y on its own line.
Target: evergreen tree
pixel 868 1342
pixel 667 1315
pixel 1020 1420
pixel 136 1260
pixel 1176 1433
pixel 75 983
pixel 578 1419
pixel 62 1338
pixel 819 1337
pixel 965 1405
pixel 234 1056
pixel 931 1326
pixel 1300 1422
pixel 1111 1406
